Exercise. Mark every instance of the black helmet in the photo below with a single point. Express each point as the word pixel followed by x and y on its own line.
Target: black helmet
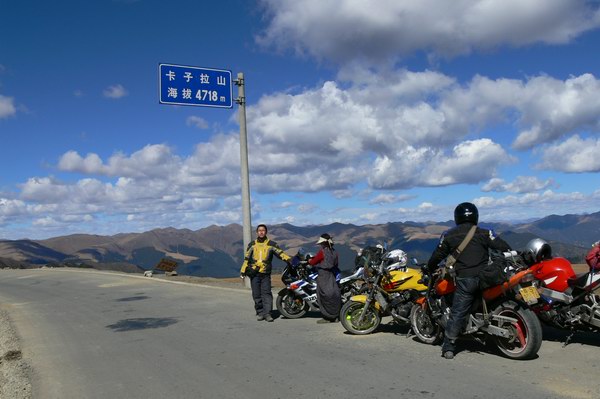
pixel 466 212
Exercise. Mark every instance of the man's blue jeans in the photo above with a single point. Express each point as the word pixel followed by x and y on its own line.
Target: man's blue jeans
pixel 464 296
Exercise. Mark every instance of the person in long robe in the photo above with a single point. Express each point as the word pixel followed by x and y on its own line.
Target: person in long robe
pixel 328 291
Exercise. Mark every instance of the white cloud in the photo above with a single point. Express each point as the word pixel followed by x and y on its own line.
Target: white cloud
pixel 547 108
pixel 7 106
pixel 346 30
pixel 575 155
pixel 317 140
pixel 284 205
pixel 12 207
pixel 425 205
pixel 469 162
pixel 408 123
pixel 521 184
pixel 155 160
pixel 328 138
pixel 197 122
pixel 551 108
pixel 423 129
pixel 519 207
pixel 115 91
pixel 307 208
pixel 390 198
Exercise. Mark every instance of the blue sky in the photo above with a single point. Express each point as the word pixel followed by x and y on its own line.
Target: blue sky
pixel 358 111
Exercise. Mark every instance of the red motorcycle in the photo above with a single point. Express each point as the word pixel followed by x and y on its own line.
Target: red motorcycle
pixel 567 300
pixel 502 313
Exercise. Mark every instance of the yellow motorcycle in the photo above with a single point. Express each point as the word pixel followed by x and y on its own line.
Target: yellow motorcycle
pixel 392 289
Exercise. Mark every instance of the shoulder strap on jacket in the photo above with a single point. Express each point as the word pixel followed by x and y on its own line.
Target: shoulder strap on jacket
pixel 451 260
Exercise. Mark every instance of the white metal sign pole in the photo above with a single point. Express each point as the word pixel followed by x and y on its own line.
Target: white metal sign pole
pixel 247 224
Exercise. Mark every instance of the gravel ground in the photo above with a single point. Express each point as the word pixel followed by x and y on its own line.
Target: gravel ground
pixel 15 381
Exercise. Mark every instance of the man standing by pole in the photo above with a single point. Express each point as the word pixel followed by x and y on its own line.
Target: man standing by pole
pixel 257 267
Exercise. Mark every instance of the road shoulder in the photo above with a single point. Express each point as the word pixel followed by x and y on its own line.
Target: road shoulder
pixel 15 372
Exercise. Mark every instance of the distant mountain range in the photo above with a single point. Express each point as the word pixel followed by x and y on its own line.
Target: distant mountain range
pixel 216 251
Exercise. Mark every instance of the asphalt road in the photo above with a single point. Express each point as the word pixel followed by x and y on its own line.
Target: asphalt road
pixel 105 335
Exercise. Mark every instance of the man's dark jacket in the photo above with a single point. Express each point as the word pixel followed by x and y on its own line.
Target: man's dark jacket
pixel 474 256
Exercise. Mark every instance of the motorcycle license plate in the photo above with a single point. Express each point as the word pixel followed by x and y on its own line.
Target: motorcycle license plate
pixel 529 294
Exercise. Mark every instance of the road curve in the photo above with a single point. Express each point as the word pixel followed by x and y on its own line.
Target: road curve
pixel 107 335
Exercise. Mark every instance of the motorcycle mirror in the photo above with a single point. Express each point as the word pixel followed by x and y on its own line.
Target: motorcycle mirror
pixel 414 261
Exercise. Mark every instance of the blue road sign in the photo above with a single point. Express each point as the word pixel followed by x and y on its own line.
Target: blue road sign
pixel 187 85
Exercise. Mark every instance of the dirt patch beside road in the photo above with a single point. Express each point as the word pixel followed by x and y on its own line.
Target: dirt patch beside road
pixel 15 382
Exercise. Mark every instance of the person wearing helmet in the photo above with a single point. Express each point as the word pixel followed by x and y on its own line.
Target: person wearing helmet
pixel 259 256
pixel 593 257
pixel 468 264
pixel 328 291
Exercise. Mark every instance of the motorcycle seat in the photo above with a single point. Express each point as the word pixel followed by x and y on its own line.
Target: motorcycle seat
pixel 580 280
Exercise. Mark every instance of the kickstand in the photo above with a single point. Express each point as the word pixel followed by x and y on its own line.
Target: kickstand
pixel 409 333
pixel 568 339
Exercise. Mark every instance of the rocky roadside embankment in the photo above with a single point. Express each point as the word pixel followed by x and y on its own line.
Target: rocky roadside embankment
pixel 15 382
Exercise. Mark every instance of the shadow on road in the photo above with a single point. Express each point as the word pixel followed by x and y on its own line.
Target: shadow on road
pixel 142 323
pixel 580 337
pixel 390 328
pixel 132 298
pixel 468 344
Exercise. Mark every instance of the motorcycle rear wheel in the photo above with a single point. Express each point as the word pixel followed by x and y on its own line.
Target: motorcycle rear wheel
pixel 426 329
pixel 526 333
pixel 350 314
pixel 291 306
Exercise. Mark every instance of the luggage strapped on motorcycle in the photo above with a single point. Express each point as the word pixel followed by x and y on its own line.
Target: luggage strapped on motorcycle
pixel 493 273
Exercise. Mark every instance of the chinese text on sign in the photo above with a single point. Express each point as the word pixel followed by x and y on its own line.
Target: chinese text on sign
pixel 186 85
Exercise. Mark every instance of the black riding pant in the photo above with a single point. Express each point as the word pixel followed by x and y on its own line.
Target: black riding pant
pixel 261 293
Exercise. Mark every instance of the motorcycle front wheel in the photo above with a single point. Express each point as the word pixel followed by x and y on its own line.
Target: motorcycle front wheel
pixel 526 334
pixel 290 305
pixel 424 327
pixel 350 315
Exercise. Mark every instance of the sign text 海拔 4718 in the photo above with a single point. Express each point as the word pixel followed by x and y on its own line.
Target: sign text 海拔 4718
pixel 187 85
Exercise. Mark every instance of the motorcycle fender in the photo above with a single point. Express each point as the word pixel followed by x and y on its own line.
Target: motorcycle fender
pixel 420 301
pixel 283 291
pixel 363 299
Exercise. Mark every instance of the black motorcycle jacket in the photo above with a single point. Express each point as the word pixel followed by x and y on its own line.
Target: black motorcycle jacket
pixel 474 256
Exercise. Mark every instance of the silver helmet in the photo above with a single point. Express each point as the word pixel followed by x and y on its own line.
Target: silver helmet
pixel 395 259
pixel 537 250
